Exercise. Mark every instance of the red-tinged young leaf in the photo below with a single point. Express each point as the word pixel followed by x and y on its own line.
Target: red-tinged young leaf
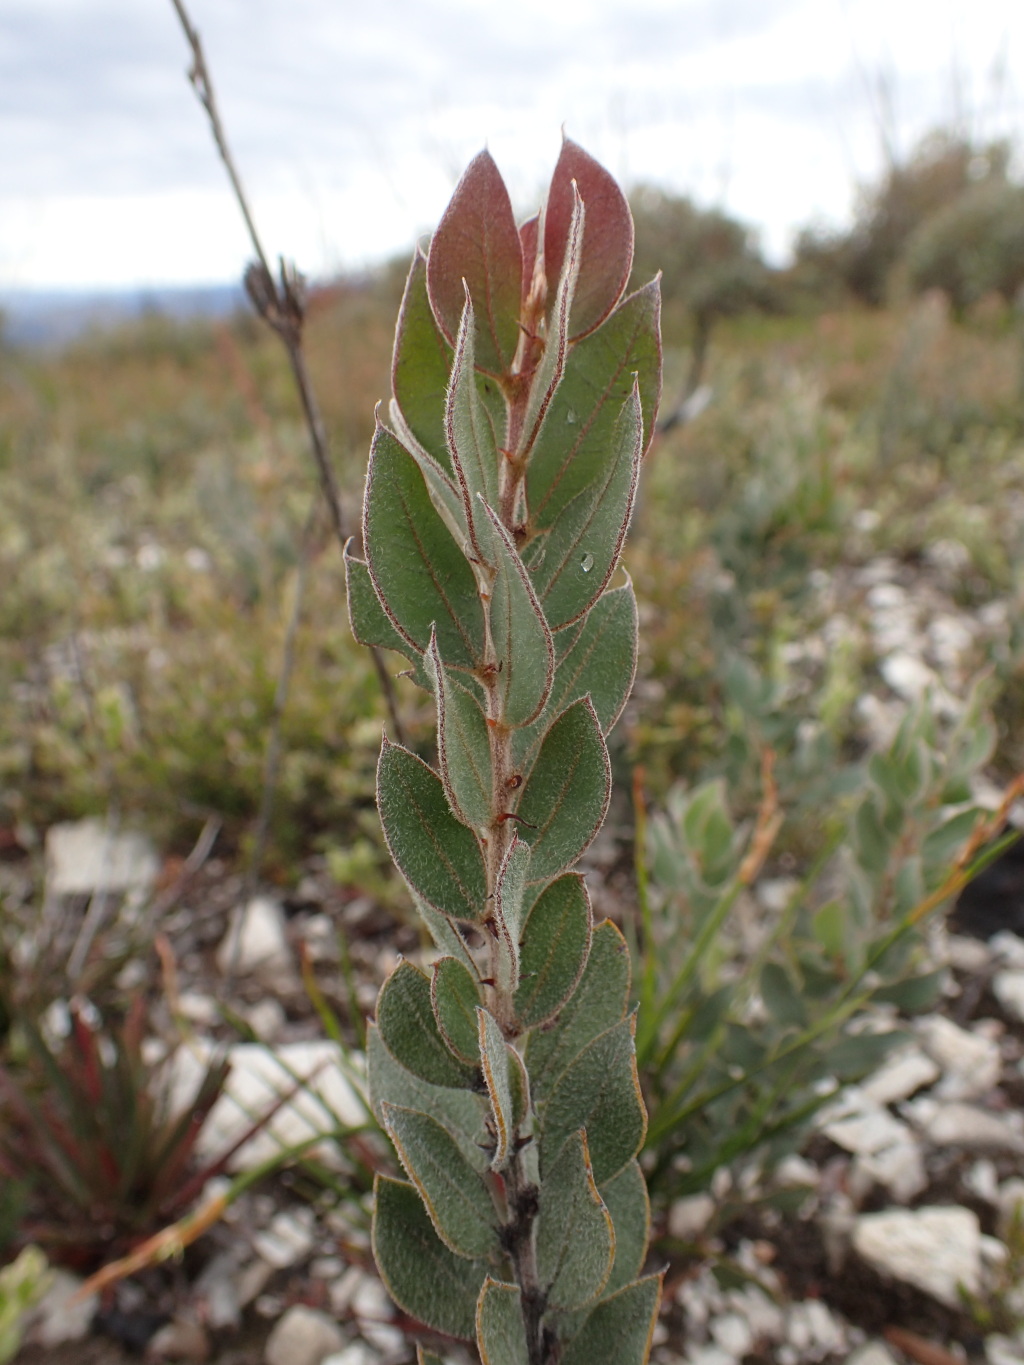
pixel 438 856
pixel 608 241
pixel 419 574
pixel 529 238
pixel 566 796
pixel 420 365
pixel 477 241
pixel 549 373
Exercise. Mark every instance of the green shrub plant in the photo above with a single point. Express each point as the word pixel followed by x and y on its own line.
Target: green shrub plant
pixel 497 501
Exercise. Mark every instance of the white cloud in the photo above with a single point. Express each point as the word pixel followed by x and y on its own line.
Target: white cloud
pixel 351 123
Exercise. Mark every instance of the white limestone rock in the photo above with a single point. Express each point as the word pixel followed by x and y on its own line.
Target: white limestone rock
pixel 935 1249
pixel 57 1318
pixel 289 1238
pixel 259 1077
pixel 905 1071
pixel 966 1125
pixel 303 1336
pixel 1008 988
pixel 970 1062
pixel 256 944
pixel 689 1217
pixel 85 856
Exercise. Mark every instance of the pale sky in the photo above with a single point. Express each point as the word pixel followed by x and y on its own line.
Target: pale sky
pixel 352 121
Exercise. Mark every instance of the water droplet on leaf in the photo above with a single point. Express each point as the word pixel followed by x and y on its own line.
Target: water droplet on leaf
pixel 570 416
pixel 587 562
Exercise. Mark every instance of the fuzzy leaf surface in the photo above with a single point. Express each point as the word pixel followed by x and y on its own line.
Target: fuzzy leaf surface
pixel 548 376
pixel 620 1328
pixel 575 1238
pixel 455 996
pixel 627 1201
pixel 454 1194
pixel 607 244
pixel 555 945
pixel 571 450
pixel 599 1091
pixel 463 748
pixel 508 902
pixel 521 637
pixel 596 657
pixel 598 1002
pixel 418 570
pixel 495 1060
pixel 444 933
pixel 438 856
pixel 566 796
pixel 500 1335
pixel 477 241
pixel 473 452
pixel 580 550
pixel 424 1278
pixel 368 620
pixel 420 365
pixel 405 1018
pixel 461 1112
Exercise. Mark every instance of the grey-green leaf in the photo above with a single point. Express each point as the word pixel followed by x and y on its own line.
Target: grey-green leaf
pixel 438 856
pixel 600 1091
pixel 368 620
pixel 443 931
pixel 594 657
pixel 424 1278
pixel 598 1002
pixel 522 641
pixel 420 365
pixel 405 1018
pixel 461 1111
pixel 620 1328
pixel 495 1060
pixel 473 452
pixel 627 1201
pixel 555 944
pixel 575 1238
pixel 508 902
pixel 454 1194
pixel 581 547
pixel 463 748
pixel 419 572
pixel 500 1334
pixel 598 380
pixel 565 799
pixel 455 995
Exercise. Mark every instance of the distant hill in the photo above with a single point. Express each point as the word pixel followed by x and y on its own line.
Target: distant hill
pixel 47 318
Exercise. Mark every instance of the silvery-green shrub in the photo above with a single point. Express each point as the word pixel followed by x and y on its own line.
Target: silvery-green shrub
pixel 500 487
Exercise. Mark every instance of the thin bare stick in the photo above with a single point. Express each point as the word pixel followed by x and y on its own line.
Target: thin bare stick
pixel 281 302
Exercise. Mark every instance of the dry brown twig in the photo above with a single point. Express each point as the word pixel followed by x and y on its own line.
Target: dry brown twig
pixel 281 302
